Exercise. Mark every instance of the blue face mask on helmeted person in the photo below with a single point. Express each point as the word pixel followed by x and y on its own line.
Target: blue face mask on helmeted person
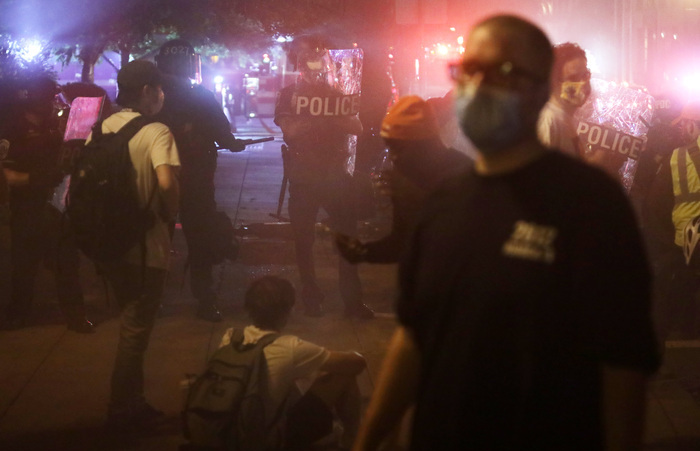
pixel 489 117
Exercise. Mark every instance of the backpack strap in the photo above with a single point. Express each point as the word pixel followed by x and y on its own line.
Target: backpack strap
pixel 97 130
pixel 133 126
pixel 237 339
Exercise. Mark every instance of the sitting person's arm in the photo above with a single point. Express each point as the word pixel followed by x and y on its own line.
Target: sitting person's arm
pixel 349 363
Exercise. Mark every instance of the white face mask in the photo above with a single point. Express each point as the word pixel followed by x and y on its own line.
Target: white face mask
pixel 490 117
pixel 574 92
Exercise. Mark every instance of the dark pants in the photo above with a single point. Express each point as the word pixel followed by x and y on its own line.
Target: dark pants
pixel 311 418
pixel 39 236
pixel 676 297
pixel 335 197
pixel 197 208
pixel 138 292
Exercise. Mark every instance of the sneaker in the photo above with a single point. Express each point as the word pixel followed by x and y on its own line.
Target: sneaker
pixel 360 311
pixel 209 312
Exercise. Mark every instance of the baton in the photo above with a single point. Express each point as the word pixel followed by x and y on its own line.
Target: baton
pixel 248 142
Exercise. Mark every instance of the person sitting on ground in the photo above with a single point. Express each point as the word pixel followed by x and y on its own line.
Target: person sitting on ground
pixel 314 382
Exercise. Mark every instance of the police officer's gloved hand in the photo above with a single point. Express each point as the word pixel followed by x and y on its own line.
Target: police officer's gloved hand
pixel 233 144
pixel 350 248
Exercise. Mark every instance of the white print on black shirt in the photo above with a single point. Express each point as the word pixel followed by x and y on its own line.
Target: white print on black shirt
pixel 531 242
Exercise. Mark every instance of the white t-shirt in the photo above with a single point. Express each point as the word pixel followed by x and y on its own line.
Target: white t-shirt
pixel 292 364
pixel 556 129
pixel 151 147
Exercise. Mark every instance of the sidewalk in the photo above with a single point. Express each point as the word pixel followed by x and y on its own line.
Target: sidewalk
pixel 54 383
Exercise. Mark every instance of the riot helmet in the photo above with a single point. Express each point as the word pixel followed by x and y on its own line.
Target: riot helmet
pixel 316 67
pixel 178 58
pixel 41 95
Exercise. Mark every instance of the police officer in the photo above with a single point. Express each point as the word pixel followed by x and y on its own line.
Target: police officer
pixel 318 176
pixel 673 201
pixel 32 170
pixel 199 126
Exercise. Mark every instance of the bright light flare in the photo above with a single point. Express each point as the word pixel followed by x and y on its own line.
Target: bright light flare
pixel 219 79
pixel 29 49
pixel 691 82
pixel 442 49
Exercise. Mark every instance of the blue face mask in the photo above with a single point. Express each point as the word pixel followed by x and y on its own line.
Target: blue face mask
pixel 489 117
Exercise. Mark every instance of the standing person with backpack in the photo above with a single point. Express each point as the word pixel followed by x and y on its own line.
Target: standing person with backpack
pixel 138 279
pixel 200 127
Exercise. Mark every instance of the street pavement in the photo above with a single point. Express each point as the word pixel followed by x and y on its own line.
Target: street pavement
pixel 54 383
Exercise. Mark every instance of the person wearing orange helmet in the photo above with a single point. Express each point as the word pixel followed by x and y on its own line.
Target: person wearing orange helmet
pixel 420 162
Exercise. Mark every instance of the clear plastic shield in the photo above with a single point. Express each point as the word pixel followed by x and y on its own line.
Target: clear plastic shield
pixel 84 113
pixel 349 78
pixel 612 124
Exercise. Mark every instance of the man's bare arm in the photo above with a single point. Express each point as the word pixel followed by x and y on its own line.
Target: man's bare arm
pixel 623 403
pixel 16 178
pixel 394 393
pixel 169 188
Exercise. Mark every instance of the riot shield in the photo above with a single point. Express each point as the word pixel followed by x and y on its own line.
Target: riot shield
pixel 84 113
pixel 329 86
pixel 349 78
pixel 612 128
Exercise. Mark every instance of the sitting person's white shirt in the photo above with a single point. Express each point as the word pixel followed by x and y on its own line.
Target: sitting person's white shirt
pixel 292 363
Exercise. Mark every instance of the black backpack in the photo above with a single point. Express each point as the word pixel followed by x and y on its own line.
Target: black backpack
pixel 103 205
pixel 225 407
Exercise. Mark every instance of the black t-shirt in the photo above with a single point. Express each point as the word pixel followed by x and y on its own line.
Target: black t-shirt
pixel 34 149
pixel 516 289
pixel 195 117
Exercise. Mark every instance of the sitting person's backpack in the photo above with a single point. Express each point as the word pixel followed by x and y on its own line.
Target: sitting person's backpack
pixel 225 408
pixel 102 204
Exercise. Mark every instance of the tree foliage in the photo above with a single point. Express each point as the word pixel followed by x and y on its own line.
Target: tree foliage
pixel 84 29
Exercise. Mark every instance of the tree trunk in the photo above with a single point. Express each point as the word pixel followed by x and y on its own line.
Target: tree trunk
pixel 89 55
pixel 88 73
pixel 125 53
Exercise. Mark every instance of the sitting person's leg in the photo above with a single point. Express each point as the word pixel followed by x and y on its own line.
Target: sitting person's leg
pixel 311 418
